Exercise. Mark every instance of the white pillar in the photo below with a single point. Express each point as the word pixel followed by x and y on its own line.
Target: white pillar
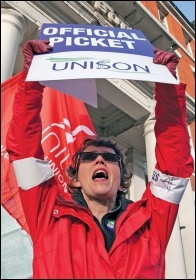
pixel 139 175
pixel 12 31
pixel 17 250
pixel 187 224
pixel 150 144
pixel 175 263
pixel 175 266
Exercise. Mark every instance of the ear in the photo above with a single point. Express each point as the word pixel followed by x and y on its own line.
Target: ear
pixel 120 188
pixel 76 183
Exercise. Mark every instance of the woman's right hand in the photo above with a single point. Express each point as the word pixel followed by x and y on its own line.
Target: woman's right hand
pixel 34 47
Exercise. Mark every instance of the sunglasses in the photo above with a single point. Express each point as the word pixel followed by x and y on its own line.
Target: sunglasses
pixel 91 156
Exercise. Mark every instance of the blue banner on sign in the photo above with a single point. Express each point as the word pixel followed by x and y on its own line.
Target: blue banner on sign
pixel 84 52
pixel 76 37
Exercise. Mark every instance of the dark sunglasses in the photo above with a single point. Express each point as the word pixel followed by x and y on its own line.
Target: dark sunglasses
pixel 90 156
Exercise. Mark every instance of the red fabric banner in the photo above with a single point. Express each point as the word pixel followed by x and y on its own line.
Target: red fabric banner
pixel 65 124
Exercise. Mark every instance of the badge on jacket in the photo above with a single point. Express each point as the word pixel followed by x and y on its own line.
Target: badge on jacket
pixel 110 224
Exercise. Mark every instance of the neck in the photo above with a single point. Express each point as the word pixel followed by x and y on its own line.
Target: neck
pixel 99 207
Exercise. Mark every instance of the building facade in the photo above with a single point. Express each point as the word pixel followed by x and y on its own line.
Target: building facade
pixel 125 107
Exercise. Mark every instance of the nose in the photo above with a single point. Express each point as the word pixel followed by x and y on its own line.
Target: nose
pixel 99 159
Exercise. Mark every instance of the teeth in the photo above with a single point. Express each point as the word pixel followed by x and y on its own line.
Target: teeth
pixel 102 172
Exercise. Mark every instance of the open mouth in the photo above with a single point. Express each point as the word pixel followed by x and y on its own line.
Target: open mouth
pixel 100 174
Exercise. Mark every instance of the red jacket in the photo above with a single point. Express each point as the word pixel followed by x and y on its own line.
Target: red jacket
pixel 66 240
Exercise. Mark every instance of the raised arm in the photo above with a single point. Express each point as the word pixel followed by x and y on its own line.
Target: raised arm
pixel 23 144
pixel 174 163
pixel 24 132
pixel 172 137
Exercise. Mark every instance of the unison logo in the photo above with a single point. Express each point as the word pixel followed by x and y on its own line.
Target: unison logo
pixel 89 63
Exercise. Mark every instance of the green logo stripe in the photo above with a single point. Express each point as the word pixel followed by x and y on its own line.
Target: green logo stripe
pixel 126 71
pixel 64 59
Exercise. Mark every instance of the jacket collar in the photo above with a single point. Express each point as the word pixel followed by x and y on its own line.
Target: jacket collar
pixel 121 203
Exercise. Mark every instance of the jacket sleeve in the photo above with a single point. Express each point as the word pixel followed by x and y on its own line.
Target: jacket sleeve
pixel 172 137
pixel 23 144
pixel 174 163
pixel 24 132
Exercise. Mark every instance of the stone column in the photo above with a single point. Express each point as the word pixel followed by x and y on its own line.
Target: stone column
pixel 150 144
pixel 17 250
pixel 175 266
pixel 187 224
pixel 12 31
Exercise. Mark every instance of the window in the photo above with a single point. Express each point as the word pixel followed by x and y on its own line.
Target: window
pixel 188 46
pixel 193 70
pixel 188 39
pixel 162 18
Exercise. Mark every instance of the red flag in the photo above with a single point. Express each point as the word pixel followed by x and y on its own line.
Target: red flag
pixel 65 124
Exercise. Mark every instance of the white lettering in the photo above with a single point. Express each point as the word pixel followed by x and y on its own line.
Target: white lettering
pixel 115 43
pixel 54 40
pixel 58 175
pixel 78 41
pixel 57 138
pixel 50 31
pixel 96 42
pixel 63 30
pixel 64 149
pixel 60 178
pixel 123 34
pixel 68 41
pixel 113 18
pixel 108 11
pixel 84 41
pixel 100 32
pixel 76 31
pixel 111 33
pixel 100 7
pixel 63 160
pixel 129 44
pixel 89 32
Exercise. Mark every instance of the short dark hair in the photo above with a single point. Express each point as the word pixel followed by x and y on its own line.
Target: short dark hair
pixel 72 171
